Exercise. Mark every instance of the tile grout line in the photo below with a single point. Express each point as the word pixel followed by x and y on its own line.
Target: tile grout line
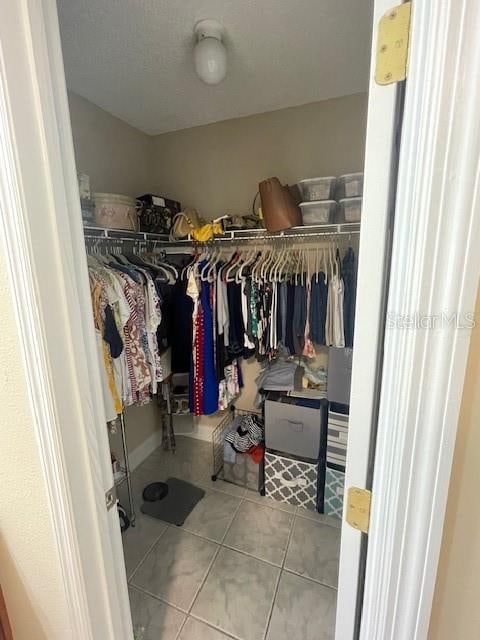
pixel 158 598
pixel 310 579
pixel 228 634
pixel 320 522
pixel 179 632
pixel 220 546
pixel 144 557
pixel 272 606
pixel 242 500
pixel 252 556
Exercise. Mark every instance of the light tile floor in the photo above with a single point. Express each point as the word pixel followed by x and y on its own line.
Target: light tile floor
pixel 242 567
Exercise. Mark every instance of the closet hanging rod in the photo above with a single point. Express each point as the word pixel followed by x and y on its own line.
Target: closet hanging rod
pixel 232 236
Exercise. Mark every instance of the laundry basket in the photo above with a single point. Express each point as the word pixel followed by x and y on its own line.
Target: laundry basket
pixel 244 472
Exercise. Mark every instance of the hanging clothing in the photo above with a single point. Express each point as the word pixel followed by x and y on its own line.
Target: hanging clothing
pixel 299 318
pixel 334 331
pixel 209 381
pixel 289 341
pixel 181 328
pixel 318 308
pixel 127 315
pixel 215 378
pixel 308 348
pixel 236 337
pixel 196 368
pixel 349 275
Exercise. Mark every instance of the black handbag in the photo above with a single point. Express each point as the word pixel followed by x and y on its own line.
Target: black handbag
pixel 157 213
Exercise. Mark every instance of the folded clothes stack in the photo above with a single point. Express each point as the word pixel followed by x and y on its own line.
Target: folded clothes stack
pixel 281 375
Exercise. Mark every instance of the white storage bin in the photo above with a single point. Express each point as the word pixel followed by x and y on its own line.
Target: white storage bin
pixel 318 188
pixel 319 212
pixel 350 185
pixel 351 209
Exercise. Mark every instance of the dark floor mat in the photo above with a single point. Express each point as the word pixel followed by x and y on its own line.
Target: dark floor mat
pixel 177 504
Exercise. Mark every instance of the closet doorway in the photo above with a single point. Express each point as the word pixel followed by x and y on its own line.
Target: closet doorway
pixel 227 350
pixel 46 263
pixel 194 580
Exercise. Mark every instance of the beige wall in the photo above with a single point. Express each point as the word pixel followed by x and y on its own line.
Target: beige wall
pixel 30 572
pixel 117 157
pixel 456 610
pixel 216 168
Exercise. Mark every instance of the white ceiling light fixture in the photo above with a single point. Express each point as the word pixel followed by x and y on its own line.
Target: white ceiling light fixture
pixel 209 54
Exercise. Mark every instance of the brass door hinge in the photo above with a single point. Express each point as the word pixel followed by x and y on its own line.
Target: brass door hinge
pixel 358 508
pixel 392 45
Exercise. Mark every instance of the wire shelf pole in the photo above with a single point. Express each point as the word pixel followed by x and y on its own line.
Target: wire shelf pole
pixel 128 477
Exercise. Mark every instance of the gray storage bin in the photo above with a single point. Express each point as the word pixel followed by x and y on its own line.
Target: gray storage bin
pixel 244 472
pixel 292 481
pixel 294 429
pixel 339 377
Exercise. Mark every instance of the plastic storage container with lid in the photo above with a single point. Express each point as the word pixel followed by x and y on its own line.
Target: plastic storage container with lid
pixel 350 209
pixel 350 185
pixel 319 212
pixel 318 188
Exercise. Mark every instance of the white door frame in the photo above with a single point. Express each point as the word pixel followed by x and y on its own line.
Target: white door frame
pixel 434 274
pixel 381 153
pixel 437 222
pixel 41 230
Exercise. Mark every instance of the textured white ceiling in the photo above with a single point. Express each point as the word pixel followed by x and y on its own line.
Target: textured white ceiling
pixel 133 58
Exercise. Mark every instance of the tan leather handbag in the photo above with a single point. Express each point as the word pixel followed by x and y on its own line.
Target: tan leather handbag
pixel 184 223
pixel 279 209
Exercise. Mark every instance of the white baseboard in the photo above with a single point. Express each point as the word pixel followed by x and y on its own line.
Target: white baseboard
pixel 148 446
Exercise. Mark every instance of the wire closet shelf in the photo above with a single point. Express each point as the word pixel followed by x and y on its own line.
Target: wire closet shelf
pixel 230 237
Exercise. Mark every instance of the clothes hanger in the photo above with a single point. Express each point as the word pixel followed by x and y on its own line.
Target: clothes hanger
pixel 247 258
pixel 290 264
pixel 190 268
pixel 265 265
pixel 234 265
pixel 208 261
pixel 277 269
pixel 214 262
pixel 184 270
pixel 226 265
pixel 274 268
pixel 258 267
